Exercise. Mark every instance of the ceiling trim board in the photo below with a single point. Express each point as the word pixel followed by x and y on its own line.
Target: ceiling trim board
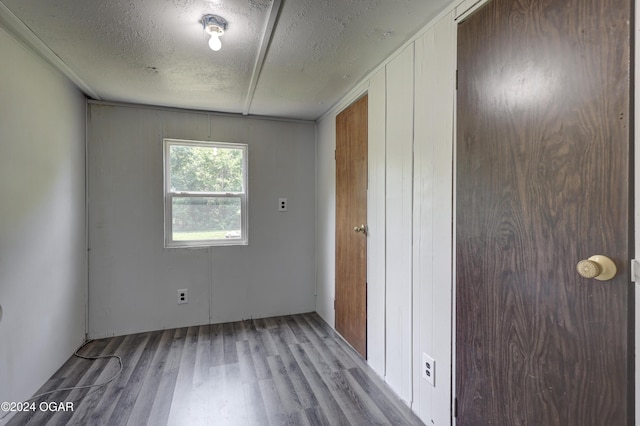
pixel 199 111
pixel 353 95
pixel 262 53
pixel 24 34
pixel 468 7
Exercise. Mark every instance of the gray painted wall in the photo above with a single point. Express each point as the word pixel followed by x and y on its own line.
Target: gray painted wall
pixel 134 280
pixel 43 267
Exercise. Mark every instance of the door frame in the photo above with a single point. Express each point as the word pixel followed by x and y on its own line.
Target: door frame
pixel 635 184
pixel 364 353
pixel 462 12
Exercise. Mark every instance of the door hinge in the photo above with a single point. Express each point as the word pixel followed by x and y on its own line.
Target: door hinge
pixel 334 304
pixel 635 270
pixel 456 79
pixel 455 408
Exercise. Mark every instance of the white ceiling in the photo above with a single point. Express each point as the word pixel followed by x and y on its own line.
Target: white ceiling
pixel 155 52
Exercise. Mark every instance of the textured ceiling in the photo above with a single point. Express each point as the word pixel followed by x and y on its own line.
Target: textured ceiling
pixel 155 51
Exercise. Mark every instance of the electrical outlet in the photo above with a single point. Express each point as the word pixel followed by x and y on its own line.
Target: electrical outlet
pixel 428 369
pixel 183 296
pixel 282 204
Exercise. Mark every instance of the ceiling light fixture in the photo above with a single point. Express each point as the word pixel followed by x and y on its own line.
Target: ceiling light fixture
pixel 215 26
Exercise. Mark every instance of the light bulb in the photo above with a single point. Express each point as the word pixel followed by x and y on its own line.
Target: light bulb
pixel 214 43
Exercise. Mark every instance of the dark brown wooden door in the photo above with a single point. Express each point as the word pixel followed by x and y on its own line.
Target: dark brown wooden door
pixel 543 161
pixel 351 212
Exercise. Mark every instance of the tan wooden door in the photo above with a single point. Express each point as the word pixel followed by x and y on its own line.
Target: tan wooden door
pixel 543 161
pixel 351 214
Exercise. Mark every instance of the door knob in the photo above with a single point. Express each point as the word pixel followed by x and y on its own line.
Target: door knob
pixel 599 267
pixel 362 228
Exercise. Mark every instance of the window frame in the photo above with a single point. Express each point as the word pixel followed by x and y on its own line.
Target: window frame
pixel 169 195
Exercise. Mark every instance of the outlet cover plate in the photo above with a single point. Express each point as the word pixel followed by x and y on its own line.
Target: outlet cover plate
pixel 183 296
pixel 428 369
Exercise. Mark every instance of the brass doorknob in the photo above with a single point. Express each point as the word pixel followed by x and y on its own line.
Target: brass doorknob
pixel 599 267
pixel 362 228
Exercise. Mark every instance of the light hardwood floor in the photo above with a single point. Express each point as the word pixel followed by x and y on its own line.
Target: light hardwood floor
pixel 291 370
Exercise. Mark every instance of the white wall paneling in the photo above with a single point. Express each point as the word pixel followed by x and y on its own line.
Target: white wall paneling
pixel 134 279
pixel 43 258
pixel 376 224
pixel 399 202
pixel 433 217
pixel 326 218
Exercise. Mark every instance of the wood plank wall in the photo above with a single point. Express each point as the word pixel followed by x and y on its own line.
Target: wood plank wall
pixel 376 223
pixel 399 206
pixel 432 216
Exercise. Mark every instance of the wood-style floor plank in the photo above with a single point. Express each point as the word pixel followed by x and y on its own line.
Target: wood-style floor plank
pixel 289 399
pixel 184 380
pixel 291 370
pixel 164 396
pixel 126 400
pixel 327 401
pixel 305 393
pixel 256 411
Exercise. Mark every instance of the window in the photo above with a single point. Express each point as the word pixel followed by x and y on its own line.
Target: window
pixel 205 193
